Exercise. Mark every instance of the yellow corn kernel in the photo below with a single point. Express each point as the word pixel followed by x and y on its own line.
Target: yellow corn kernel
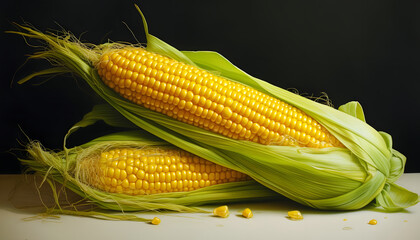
pixel 155 221
pixel 294 215
pixel 222 211
pixel 373 222
pixel 157 170
pixel 247 213
pixel 197 97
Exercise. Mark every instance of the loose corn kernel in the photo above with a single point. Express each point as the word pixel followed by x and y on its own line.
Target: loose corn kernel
pixel 295 215
pixel 155 221
pixel 197 97
pixel 222 211
pixel 246 213
pixel 153 170
pixel 373 222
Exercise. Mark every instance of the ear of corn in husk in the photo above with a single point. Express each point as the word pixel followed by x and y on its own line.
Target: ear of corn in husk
pixel 84 169
pixel 341 178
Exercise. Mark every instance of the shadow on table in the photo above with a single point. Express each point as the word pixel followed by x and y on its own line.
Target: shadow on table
pixel 33 196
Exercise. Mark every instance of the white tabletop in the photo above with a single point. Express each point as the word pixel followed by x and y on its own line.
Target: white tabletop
pixel 269 222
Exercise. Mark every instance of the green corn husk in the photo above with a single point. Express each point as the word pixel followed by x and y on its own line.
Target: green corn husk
pixel 65 167
pixel 332 178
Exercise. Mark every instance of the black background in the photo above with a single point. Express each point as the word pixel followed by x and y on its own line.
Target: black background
pixel 353 50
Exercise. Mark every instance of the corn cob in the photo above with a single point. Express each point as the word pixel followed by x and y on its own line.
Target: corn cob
pixel 153 170
pixel 198 97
